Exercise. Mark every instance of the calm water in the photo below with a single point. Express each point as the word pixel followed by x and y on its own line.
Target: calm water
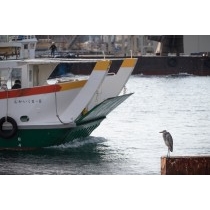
pixel 128 141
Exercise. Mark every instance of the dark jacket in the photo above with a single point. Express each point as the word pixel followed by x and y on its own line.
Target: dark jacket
pixel 53 47
pixel 17 85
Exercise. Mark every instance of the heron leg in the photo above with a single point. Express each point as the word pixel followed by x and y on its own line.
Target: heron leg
pixel 168 154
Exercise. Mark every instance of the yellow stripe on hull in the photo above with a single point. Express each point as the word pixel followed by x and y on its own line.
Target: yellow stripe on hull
pixel 102 65
pixel 72 85
pixel 129 62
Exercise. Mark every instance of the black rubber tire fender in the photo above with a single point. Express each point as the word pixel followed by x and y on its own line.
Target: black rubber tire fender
pixel 8 135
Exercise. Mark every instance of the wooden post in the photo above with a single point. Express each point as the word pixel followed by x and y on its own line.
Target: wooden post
pixel 187 165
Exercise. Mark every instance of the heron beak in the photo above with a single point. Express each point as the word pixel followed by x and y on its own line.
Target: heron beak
pixel 161 132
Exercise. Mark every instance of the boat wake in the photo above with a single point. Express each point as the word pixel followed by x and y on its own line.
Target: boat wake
pixel 182 74
pixel 77 143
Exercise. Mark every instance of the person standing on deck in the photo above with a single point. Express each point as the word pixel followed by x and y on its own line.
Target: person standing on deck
pixel 53 48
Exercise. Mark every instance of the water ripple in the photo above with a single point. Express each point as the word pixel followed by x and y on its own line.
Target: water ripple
pixel 128 140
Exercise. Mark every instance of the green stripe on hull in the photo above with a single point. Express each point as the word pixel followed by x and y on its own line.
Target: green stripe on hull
pixel 82 130
pixel 37 138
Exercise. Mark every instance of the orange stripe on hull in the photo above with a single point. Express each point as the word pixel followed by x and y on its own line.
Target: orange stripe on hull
pixel 41 90
pixel 29 91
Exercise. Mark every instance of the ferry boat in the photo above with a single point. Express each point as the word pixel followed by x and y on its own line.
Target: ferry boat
pixel 47 111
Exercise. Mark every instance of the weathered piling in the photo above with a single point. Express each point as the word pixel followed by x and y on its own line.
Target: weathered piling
pixel 185 165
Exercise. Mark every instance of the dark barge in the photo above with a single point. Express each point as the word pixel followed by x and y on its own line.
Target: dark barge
pixel 153 65
pixel 169 59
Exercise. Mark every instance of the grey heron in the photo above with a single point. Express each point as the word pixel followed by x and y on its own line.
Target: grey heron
pixel 168 141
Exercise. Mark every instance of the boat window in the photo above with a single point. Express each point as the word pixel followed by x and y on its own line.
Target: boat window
pixel 15 75
pixel 20 37
pixel 4 77
pixel 35 75
pixel 24 118
pixel 25 46
pixel 30 75
pixel 32 46
pixel 62 69
pixel 8 77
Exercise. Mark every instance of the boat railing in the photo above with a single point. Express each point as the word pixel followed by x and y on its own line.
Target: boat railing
pixel 21 37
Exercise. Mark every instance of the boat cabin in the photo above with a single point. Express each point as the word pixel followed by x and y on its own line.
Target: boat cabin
pixel 36 72
pixel 30 73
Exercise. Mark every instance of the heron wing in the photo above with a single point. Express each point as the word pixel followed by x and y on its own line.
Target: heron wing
pixel 170 141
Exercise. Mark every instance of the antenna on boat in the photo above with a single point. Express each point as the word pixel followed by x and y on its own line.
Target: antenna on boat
pixel 103 54
pixel 131 53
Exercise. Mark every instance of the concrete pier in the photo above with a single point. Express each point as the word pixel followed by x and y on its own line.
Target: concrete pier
pixel 185 165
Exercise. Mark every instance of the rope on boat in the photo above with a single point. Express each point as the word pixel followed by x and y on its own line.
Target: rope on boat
pixel 7 108
pixel 124 90
pixel 56 110
pixel 97 95
pixel 7 105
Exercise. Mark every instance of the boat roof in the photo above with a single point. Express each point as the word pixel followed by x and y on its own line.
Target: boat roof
pixel 57 60
pixel 52 61
pixel 10 44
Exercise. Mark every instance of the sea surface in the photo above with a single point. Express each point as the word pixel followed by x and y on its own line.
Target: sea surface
pixel 128 141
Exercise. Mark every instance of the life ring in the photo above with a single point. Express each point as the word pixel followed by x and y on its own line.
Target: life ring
pixel 172 62
pixel 8 134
